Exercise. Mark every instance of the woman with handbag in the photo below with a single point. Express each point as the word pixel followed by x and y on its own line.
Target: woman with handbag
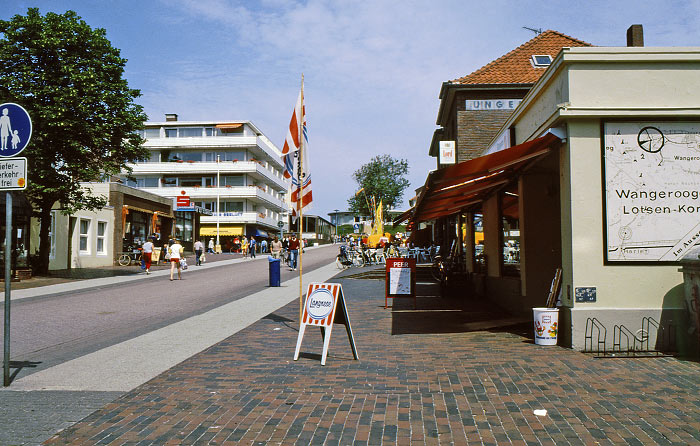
pixel 175 250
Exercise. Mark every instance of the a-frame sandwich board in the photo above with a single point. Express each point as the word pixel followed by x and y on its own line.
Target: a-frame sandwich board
pixel 321 310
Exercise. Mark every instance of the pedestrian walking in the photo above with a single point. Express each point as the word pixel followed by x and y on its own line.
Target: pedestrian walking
pixel 175 250
pixel 198 252
pixel 263 246
pixel 276 248
pixel 293 252
pixel 244 246
pixel 211 246
pixel 252 246
pixel 147 252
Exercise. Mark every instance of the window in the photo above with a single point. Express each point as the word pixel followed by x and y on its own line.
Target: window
pixel 170 182
pixel 84 235
pixel 190 132
pixel 151 133
pixel 171 133
pixel 209 131
pixel 191 156
pixel 541 61
pixel 232 180
pixel 232 155
pixel 191 181
pixel 232 206
pixel 101 237
pixel 142 182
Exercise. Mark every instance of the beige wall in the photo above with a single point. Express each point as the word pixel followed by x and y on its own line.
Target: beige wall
pixel 584 88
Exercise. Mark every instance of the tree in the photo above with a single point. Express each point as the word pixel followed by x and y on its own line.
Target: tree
pixel 381 178
pixel 69 78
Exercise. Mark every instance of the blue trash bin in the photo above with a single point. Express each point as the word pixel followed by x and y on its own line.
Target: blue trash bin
pixel 274 271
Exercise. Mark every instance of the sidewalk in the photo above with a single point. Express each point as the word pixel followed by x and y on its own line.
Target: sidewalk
pixel 452 372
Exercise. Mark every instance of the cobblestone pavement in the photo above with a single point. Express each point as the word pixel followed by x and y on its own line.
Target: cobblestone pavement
pixel 451 372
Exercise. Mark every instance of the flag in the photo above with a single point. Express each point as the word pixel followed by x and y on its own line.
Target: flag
pixel 378 227
pixel 295 146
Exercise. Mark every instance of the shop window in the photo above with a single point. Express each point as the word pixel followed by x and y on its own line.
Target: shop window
pixel 101 237
pixel 84 234
pixel 479 247
pixel 510 226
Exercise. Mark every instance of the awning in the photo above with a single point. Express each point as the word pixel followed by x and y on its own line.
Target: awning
pixel 452 189
pixel 224 230
pixel 225 128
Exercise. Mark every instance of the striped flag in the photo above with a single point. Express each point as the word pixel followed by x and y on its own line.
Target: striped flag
pixel 296 145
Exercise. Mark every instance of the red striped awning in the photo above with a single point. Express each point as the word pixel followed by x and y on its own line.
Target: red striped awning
pixel 455 188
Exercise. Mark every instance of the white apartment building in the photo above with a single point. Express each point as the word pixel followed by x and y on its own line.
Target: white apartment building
pixel 209 161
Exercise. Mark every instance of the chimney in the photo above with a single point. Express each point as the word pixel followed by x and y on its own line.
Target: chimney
pixel 635 35
pixel 173 116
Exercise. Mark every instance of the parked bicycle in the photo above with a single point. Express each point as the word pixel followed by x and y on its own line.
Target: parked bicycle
pixel 132 254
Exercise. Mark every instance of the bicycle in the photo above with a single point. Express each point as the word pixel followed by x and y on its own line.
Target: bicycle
pixel 132 255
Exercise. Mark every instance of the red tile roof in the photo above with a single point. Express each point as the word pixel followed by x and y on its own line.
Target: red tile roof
pixel 515 67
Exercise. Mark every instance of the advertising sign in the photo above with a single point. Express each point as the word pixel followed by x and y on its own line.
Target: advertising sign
pixel 400 279
pixel 491 104
pixel 652 190
pixel 320 309
pixel 15 129
pixel 447 152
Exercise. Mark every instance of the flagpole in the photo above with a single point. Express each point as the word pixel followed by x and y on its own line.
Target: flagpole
pixel 300 191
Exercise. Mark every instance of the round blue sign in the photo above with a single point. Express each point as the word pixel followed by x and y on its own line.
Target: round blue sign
pixel 15 129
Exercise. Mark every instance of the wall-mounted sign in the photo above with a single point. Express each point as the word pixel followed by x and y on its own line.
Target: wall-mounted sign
pixel 491 104
pixel 182 201
pixel 447 152
pixel 321 309
pixel 652 190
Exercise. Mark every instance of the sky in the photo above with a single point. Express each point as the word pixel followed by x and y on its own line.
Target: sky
pixel 372 69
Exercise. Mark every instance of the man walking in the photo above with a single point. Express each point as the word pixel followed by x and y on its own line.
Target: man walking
pixel 293 252
pixel 252 246
pixel 198 251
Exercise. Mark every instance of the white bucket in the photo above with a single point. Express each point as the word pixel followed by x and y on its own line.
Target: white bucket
pixel 546 325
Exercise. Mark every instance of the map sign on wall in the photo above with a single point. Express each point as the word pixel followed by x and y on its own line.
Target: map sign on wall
pixel 652 190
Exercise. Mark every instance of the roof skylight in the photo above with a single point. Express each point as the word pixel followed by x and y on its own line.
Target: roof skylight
pixel 541 60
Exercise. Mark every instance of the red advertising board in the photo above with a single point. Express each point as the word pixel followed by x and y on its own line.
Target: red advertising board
pixel 400 279
pixel 183 201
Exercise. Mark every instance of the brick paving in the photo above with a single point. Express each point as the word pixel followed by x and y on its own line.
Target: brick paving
pixel 445 374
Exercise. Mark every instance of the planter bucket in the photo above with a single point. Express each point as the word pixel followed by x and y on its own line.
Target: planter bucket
pixel 546 325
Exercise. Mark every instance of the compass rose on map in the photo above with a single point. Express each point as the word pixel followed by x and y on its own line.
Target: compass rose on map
pixel 650 139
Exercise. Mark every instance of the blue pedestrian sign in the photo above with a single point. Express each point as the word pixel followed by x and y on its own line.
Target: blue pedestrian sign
pixel 15 129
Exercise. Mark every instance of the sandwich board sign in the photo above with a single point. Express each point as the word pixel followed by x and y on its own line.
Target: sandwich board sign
pixel 400 279
pixel 321 310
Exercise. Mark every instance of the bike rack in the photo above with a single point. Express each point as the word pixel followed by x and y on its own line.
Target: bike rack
pixel 627 344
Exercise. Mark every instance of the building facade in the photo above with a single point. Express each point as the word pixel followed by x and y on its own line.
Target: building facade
pixel 603 183
pixel 228 168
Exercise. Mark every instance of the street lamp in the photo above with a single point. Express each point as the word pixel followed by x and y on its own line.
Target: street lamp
pixel 336 223
pixel 217 201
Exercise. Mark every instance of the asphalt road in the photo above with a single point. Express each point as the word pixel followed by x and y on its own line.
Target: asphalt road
pixel 52 329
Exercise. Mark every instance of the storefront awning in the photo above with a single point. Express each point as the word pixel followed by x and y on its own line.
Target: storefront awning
pixel 224 230
pixel 449 190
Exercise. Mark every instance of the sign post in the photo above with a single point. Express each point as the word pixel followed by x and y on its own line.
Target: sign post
pixel 322 301
pixel 15 133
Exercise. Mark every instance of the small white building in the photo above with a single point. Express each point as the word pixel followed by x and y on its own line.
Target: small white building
pixel 228 167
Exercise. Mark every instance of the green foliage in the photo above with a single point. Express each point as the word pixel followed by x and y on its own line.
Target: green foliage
pixel 382 178
pixel 69 78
